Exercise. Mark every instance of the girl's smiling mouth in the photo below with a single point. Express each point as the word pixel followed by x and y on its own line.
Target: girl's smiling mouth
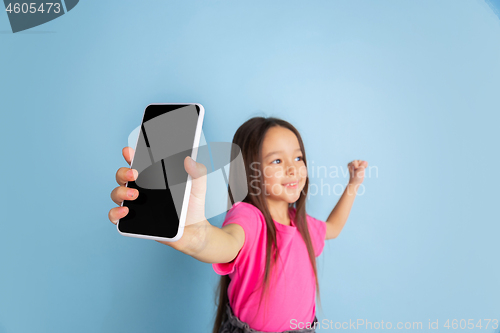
pixel 293 184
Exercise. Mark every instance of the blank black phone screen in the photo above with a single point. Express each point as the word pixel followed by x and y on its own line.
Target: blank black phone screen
pixel 166 137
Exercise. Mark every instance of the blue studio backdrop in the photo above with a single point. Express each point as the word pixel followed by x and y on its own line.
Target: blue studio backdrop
pixel 410 86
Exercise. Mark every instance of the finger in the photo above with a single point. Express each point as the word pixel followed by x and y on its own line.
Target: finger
pixel 124 175
pixel 128 154
pixel 356 164
pixel 121 193
pixel 117 213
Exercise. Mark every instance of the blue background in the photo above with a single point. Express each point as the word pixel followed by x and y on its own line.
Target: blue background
pixel 410 86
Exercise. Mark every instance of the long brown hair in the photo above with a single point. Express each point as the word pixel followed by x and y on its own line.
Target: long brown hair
pixel 249 138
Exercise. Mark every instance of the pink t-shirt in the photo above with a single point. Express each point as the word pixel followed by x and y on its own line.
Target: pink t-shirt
pixel 292 293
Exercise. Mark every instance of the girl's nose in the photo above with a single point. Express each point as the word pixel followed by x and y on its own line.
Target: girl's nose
pixel 290 170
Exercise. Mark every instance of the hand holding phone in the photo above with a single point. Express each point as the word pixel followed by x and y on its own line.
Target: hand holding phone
pixel 164 157
pixel 196 206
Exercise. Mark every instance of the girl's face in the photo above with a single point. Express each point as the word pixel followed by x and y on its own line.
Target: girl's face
pixel 282 165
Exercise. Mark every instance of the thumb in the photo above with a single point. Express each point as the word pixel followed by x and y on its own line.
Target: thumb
pixel 198 173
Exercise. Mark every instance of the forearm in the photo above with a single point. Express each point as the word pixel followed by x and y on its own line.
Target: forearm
pixel 206 243
pixel 340 213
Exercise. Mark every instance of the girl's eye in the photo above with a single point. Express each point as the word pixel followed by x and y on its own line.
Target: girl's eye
pixel 300 157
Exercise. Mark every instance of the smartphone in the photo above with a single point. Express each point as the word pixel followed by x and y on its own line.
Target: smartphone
pixel 168 133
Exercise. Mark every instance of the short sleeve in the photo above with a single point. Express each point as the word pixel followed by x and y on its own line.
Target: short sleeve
pixel 244 214
pixel 317 229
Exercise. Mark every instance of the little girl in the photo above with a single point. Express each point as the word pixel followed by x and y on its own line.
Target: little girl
pixel 266 249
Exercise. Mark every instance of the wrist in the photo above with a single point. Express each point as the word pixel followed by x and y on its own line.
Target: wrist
pixel 193 238
pixel 196 237
pixel 352 187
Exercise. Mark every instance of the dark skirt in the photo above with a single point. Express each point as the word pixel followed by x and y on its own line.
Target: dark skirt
pixel 233 324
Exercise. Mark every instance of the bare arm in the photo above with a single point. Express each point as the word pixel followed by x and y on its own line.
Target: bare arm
pixel 210 244
pixel 338 217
